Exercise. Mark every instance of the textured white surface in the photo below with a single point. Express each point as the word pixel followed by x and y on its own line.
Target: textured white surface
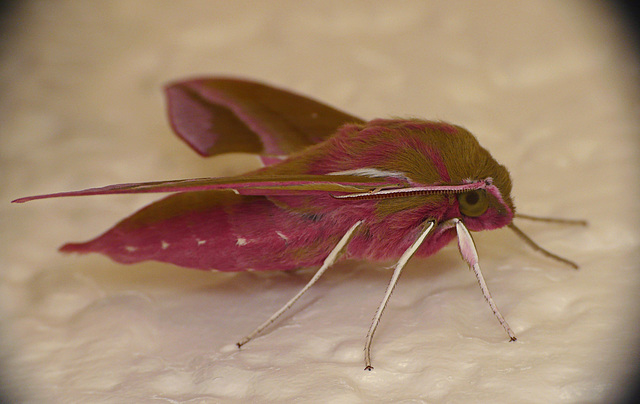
pixel 547 86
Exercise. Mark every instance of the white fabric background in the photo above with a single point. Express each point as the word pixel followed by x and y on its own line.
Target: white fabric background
pixel 548 87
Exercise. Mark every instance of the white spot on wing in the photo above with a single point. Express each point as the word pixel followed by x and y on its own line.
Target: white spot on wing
pixel 282 236
pixel 131 248
pixel 165 245
pixel 241 241
pixel 201 242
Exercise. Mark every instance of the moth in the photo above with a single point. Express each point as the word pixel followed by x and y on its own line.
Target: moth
pixel 333 186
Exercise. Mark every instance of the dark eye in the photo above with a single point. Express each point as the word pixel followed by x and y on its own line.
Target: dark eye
pixel 473 203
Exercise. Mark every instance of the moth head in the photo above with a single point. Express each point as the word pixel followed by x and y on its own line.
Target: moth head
pixel 431 153
pixel 484 208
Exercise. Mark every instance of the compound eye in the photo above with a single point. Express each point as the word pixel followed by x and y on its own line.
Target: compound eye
pixel 473 203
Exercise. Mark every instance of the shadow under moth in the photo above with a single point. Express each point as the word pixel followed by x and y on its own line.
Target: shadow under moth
pixel 333 187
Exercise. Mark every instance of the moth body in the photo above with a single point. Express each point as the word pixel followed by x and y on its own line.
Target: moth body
pixel 213 230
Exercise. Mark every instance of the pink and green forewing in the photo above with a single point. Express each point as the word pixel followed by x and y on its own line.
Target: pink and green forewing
pixel 221 115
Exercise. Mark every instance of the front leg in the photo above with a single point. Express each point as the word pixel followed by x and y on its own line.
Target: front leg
pixel 470 255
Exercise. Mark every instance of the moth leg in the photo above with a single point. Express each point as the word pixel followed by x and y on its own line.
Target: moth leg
pixel 331 258
pixel 470 255
pixel 392 284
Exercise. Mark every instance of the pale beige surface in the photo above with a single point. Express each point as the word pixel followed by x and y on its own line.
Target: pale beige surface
pixel 548 87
